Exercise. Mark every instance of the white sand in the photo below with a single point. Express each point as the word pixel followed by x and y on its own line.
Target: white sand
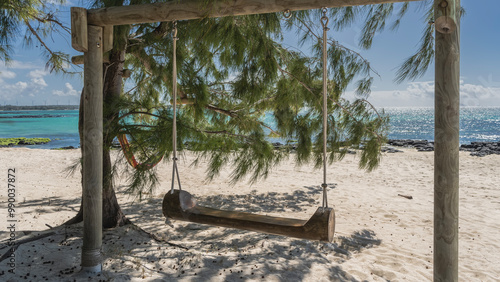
pixel 380 236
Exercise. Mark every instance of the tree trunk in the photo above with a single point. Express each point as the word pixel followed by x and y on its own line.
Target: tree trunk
pixel 112 215
pixel 79 216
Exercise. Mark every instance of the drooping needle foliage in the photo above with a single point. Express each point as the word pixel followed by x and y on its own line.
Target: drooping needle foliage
pixel 242 87
pixel 245 86
pixel 36 20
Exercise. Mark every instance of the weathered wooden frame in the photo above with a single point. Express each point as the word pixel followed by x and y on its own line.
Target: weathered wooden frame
pixel 92 34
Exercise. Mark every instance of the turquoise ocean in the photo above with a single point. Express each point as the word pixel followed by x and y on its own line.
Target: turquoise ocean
pixel 476 124
pixel 60 126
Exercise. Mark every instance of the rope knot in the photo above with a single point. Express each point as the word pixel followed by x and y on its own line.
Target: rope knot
pixel 174 30
pixel 324 22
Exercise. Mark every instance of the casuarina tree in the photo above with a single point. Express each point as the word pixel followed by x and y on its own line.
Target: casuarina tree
pixel 241 88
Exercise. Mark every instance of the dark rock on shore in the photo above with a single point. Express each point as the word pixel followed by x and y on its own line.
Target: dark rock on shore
pixel 479 149
pixel 278 146
pixel 420 145
pixel 390 150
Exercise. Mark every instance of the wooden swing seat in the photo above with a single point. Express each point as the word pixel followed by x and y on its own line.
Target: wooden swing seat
pixel 181 205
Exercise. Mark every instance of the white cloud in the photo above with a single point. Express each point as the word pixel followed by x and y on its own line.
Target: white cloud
pixel 69 91
pixel 37 77
pixel 479 95
pixel 39 81
pixel 7 74
pixel 38 73
pixel 489 82
pixel 28 82
pixel 10 92
pixel 421 94
pixel 20 85
pixel 421 89
pixel 18 65
pixel 22 89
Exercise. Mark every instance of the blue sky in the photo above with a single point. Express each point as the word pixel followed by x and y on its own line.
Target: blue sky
pixel 26 81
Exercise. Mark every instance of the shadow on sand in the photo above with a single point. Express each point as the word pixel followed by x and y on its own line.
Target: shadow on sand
pixel 232 255
pixel 206 252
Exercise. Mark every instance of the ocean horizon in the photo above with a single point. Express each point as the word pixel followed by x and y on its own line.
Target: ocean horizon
pixel 477 124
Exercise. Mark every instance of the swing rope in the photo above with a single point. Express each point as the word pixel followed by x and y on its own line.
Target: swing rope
pixel 181 205
pixel 324 23
pixel 175 170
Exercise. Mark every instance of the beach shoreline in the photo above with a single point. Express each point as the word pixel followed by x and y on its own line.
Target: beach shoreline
pixel 380 235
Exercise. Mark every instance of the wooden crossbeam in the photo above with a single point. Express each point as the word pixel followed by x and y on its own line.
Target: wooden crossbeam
pixel 107 38
pixel 79 36
pixel 79 60
pixel 196 9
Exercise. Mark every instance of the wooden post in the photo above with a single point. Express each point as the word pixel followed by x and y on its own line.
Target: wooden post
pixel 446 155
pixel 445 17
pixel 92 157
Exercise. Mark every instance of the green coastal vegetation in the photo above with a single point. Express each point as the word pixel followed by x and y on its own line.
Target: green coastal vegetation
pixel 5 142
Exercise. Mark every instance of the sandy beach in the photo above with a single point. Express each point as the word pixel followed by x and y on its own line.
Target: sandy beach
pixel 379 235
